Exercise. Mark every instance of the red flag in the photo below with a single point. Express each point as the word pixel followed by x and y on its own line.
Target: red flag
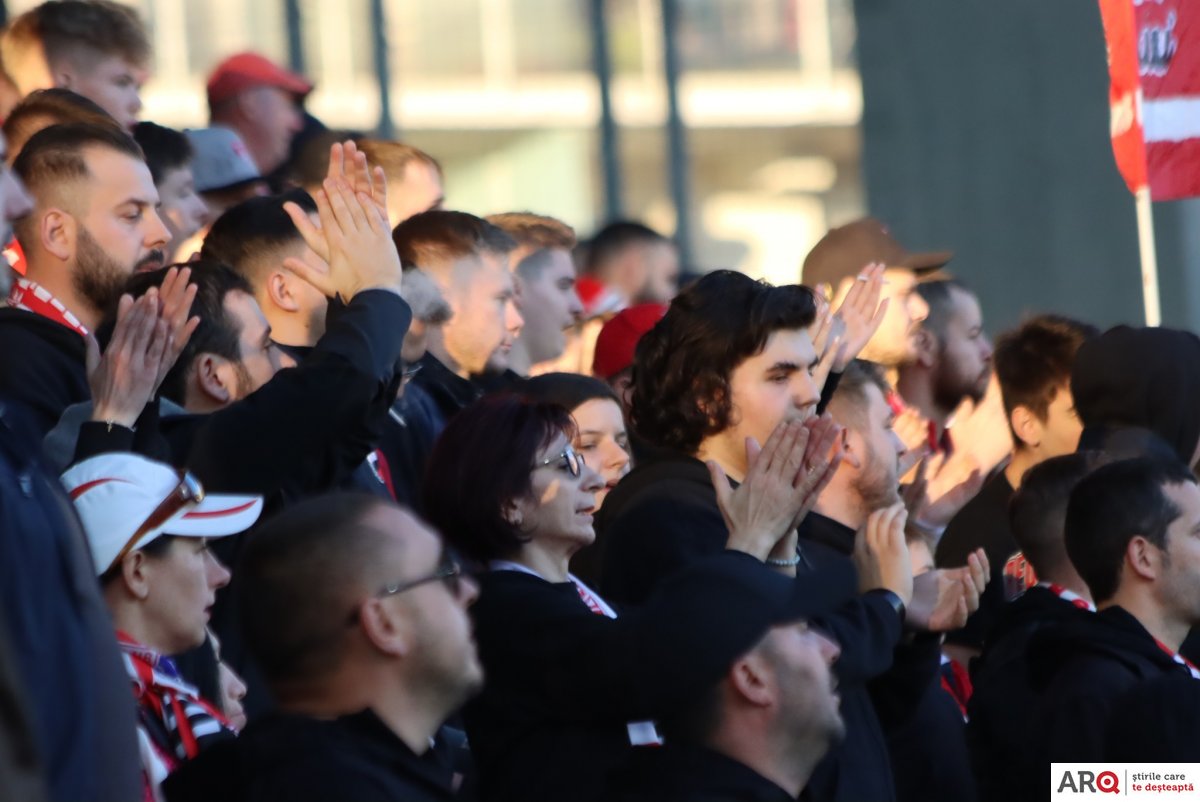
pixel 1154 47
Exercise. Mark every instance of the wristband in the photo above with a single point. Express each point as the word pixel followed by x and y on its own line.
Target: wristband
pixel 792 563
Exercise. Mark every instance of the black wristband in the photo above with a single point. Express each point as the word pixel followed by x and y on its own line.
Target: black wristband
pixel 893 599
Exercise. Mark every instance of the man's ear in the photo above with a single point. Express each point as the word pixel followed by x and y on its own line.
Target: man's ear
pixel 385 628
pixel 1144 558
pixel 57 231
pixel 1027 426
pixel 279 291
pixel 750 679
pixel 215 377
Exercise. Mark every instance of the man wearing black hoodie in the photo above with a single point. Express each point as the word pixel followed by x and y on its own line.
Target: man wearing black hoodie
pixel 1131 532
pixel 729 361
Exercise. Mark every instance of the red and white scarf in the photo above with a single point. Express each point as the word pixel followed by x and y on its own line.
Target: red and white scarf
pixel 33 297
pixel 166 703
pixel 1068 596
pixel 1180 659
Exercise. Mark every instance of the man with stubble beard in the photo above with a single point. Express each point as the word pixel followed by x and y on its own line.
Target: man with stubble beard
pixel 94 223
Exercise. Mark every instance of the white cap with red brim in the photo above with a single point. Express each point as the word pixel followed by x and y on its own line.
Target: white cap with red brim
pixel 117 494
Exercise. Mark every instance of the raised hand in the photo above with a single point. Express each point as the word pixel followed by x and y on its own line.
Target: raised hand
pixel 760 512
pixel 881 553
pixel 124 380
pixel 861 313
pixel 353 238
pixel 177 295
pixel 943 599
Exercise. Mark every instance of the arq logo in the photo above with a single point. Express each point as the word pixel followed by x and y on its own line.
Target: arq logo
pixel 1106 782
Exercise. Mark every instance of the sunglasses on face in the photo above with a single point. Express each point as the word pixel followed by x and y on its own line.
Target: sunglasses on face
pixel 568 460
pixel 187 493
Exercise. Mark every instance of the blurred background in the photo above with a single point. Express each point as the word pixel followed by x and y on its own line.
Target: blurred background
pixel 745 127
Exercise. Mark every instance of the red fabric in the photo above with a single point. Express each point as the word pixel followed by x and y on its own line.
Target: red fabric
pixel 245 70
pixel 15 257
pixel 619 337
pixel 957 682
pixel 1120 31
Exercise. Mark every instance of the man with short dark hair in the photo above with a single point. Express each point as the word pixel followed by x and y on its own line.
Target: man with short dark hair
pixel 96 48
pixel 1002 702
pixel 358 616
pixel 93 224
pixel 922 724
pixel 1033 365
pixel 546 293
pixel 169 156
pixel 633 260
pixel 467 257
pixel 1131 533
pixel 953 360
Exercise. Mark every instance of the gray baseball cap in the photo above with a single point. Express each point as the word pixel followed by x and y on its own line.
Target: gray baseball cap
pixel 221 159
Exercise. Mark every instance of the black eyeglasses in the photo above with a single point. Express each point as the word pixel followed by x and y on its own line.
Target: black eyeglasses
pixel 449 571
pixel 569 460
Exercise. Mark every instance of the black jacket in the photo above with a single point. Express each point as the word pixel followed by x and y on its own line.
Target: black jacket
pixel 44 367
pixel 982 522
pixel 906 705
pixel 304 432
pixel 1003 701
pixel 664 515
pixel 60 631
pixel 1078 670
pixel 449 391
pixel 408 439
pixel 563 683
pixel 299 759
pixel 682 772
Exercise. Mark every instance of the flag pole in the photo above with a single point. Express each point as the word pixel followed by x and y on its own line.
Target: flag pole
pixel 1149 256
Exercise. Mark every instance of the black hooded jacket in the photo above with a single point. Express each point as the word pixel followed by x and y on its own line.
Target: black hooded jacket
pixel 1129 383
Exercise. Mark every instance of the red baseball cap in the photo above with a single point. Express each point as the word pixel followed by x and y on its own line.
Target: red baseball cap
pixel 619 337
pixel 246 70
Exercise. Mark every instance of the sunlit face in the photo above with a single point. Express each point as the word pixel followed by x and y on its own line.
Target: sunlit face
pixel 602 441
pixel 114 85
pixel 485 320
pixel 120 210
pixel 549 305
pixel 964 365
pixel 773 386
pixel 272 120
pixel 182 209
pixel 560 506
pixel 895 343
pixel 181 589
pixel 661 260
pixel 878 448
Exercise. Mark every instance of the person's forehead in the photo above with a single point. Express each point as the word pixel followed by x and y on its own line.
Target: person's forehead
pixel 420 172
pixel 877 404
pixel 410 539
pixel 898 281
pixel 1186 497
pixel 787 345
pixel 119 176
pixel 177 176
pixel 559 265
pixel 965 307
pixel 112 64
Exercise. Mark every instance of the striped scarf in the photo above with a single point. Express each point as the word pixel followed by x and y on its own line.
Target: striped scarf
pixel 174 723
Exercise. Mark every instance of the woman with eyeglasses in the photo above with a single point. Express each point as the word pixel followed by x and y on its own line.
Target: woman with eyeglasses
pixel 571 685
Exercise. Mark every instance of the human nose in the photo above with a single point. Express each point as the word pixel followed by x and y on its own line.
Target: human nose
pixel 218 574
pixel 807 394
pixel 612 456
pixel 575 306
pixel 829 648
pixel 468 590
pixel 590 480
pixel 157 235
pixel 512 318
